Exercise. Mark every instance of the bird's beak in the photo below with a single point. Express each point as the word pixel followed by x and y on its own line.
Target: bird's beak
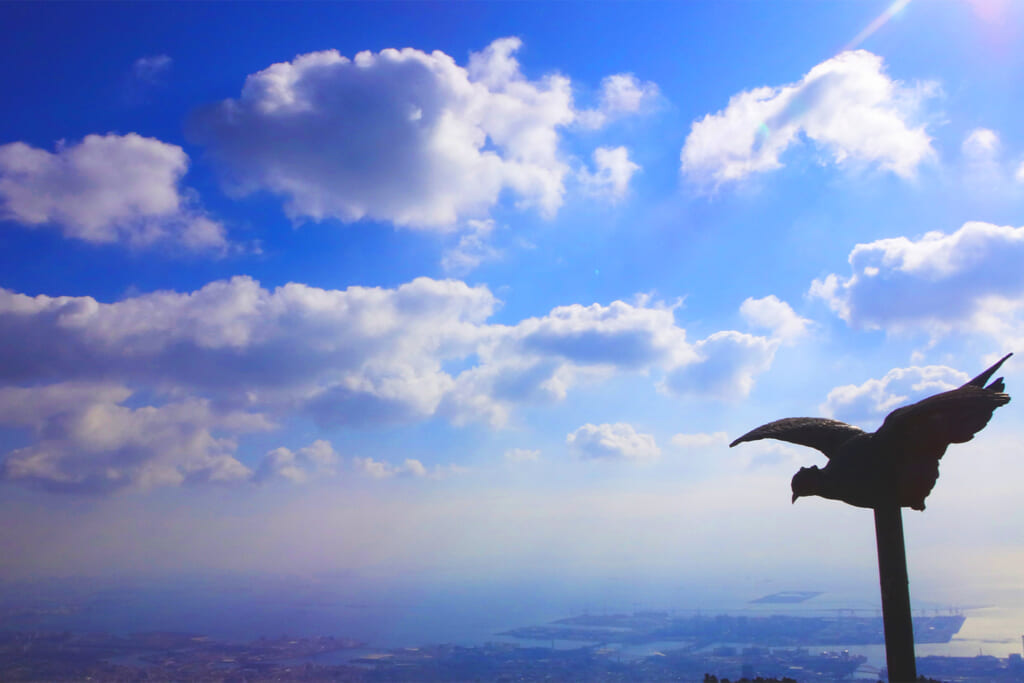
pixel 795 496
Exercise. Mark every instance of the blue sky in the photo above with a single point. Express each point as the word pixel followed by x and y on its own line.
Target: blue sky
pixel 486 289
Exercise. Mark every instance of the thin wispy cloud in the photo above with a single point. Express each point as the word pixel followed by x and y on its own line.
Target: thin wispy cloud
pixel 153 68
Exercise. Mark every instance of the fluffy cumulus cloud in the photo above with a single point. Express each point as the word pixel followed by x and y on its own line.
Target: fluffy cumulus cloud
pixel 775 315
pixel 617 334
pixel 613 171
pixel 403 136
pixel 619 441
pixel 847 106
pixel 727 364
pixel 541 358
pixel 871 401
pixel 317 459
pixel 106 188
pixel 968 281
pixel 359 356
pixel 362 354
pixel 88 441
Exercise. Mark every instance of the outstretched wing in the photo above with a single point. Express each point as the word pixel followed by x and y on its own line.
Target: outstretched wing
pixel 917 436
pixel 927 427
pixel 817 432
pixel 980 380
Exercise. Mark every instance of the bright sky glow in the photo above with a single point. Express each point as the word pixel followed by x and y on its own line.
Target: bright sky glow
pixel 485 290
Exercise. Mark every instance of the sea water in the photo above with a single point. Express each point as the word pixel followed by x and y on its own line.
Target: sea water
pixel 409 613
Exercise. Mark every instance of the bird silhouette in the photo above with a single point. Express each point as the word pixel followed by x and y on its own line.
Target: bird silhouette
pixel 899 463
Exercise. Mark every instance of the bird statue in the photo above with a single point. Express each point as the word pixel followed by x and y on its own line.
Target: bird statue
pixel 899 463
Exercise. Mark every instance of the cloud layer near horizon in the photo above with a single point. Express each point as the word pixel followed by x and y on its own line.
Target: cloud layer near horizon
pixel 234 357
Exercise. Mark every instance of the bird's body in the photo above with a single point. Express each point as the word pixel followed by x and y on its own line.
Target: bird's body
pixel 899 463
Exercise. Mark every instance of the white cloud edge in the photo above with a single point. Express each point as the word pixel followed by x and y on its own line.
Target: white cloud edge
pixel 846 105
pixel 107 189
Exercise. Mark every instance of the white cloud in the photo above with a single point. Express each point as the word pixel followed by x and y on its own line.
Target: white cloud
pixel 317 459
pixel 621 94
pixel 869 402
pixel 411 468
pixel 400 135
pixel 542 358
pixel 726 366
pixel 846 105
pixel 152 68
pixel 624 93
pixel 87 441
pixel 612 441
pixel 281 463
pixel 320 455
pixel 522 455
pixel 969 281
pixel 700 440
pixel 985 176
pixel 619 334
pixel 472 249
pixel 614 170
pixel 359 356
pixel 773 314
pixel 107 188
pixel 383 470
pixel 980 143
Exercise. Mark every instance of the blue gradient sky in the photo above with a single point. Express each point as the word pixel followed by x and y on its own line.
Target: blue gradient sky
pixel 491 298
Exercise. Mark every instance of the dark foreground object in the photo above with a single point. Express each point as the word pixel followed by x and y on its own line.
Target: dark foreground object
pixel 894 467
pixel 892 575
pixel 899 463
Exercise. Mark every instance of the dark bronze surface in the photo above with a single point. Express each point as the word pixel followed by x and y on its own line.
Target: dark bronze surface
pixel 895 467
pixel 899 463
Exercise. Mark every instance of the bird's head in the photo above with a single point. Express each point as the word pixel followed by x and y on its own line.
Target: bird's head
pixel 805 482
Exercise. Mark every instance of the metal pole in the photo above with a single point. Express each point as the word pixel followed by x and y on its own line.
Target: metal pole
pixel 892 577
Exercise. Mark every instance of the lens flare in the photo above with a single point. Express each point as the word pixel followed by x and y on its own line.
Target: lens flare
pixel 880 21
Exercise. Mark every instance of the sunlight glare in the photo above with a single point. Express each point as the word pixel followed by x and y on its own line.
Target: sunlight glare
pixel 989 11
pixel 880 21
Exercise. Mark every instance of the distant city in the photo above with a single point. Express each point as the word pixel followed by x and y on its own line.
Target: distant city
pixel 639 646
